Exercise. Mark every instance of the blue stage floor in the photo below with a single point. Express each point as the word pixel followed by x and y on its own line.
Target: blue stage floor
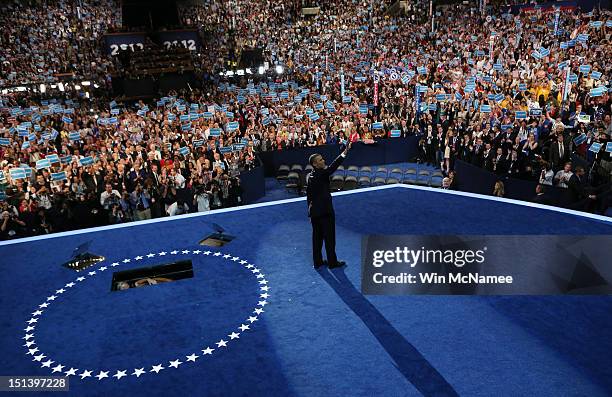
pixel 317 335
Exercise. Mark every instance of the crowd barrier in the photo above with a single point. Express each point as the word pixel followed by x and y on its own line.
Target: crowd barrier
pixel 253 185
pixel 473 179
pixel 384 151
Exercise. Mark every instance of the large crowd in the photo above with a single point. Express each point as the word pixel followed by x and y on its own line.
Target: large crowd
pixel 519 95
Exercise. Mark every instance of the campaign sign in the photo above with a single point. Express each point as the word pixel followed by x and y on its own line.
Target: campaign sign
pixel 116 42
pixel 486 265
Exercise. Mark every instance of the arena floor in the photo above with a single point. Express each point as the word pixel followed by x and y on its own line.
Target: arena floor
pixel 256 319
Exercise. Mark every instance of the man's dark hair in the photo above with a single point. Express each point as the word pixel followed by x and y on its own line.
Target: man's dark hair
pixel 312 158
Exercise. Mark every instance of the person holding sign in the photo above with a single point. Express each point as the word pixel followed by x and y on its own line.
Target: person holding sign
pixel 321 210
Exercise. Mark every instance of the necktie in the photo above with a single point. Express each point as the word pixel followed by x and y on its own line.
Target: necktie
pixel 560 151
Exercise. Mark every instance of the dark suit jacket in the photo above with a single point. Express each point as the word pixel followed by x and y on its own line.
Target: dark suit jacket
pixel 554 157
pixel 318 195
pixel 576 188
pixel 543 198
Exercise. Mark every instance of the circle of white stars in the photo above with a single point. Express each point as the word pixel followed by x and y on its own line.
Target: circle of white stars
pixel 210 350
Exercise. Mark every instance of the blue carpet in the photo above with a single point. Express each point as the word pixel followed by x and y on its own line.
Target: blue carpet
pixel 319 335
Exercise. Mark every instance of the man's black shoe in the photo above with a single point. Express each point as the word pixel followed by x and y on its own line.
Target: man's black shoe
pixel 316 267
pixel 337 265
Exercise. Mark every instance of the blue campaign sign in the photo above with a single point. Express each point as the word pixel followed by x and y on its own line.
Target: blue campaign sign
pixel 58 176
pixel 580 139
pixel 53 158
pixel 116 42
pixel 87 160
pixel 595 147
pixel 609 147
pixel 520 115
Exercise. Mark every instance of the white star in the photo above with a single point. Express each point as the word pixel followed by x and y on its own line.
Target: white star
pixel 264 288
pixel 256 270
pixel 235 258
pixel 69 285
pixel 242 262
pixel 162 253
pixel 138 258
pixel 80 278
pixel 221 343
pixel 206 252
pixel 196 252
pixel 32 351
pixel 263 282
pixel 103 268
pixel 208 350
pixel 259 275
pixel 265 296
pixel 150 255
pixel 226 256
pixel 43 305
pixel 192 357
pixel 217 254
pixel 47 363
pixel 60 291
pixel 234 335
pixel 174 252
pixel 51 298
pixel 58 368
pixel 32 320
pixel 114 264
pixel 258 311
pixel 39 357
pixel 185 251
pixel 92 273
pixel 138 372
pixel 28 336
pixel 249 266
pixel 37 313
pixel 244 327
pixel 119 374
pixel 175 363
pixel 30 343
pixel 71 371
pixel 262 303
pixel 252 319
pixel 156 368
pixel 85 374
pixel 126 260
pixel 102 374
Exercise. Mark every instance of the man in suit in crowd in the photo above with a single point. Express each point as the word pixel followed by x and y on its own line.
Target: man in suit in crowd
pixel 321 210
pixel 578 193
pixel 541 196
pixel 558 153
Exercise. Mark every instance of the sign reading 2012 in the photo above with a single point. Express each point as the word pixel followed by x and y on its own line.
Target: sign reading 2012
pixel 117 42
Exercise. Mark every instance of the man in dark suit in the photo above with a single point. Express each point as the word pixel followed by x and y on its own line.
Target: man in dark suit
pixel 321 210
pixel 542 197
pixel 558 153
pixel 579 196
